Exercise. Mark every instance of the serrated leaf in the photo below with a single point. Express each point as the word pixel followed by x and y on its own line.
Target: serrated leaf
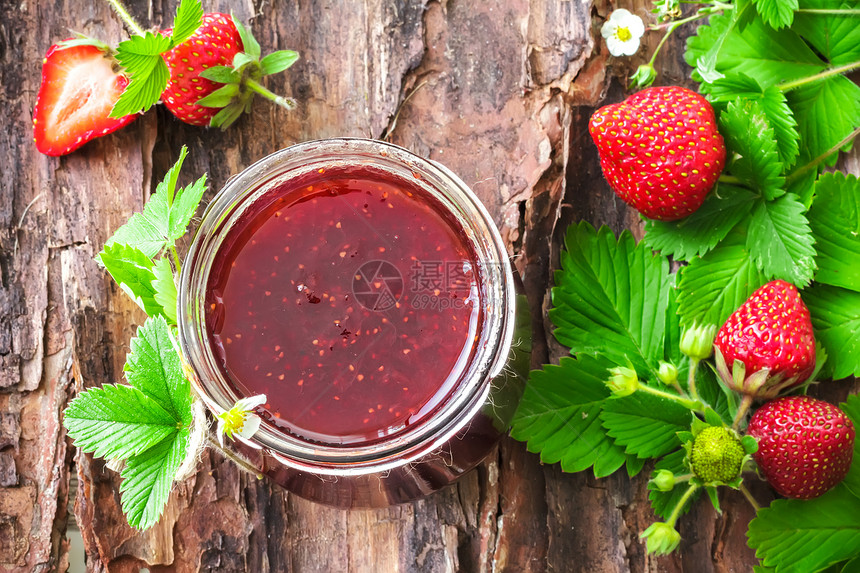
pixel 249 43
pixel 851 407
pixel 697 234
pixel 154 368
pixel 610 297
pixel 795 536
pixel 117 421
pixel 644 424
pixel 774 104
pixel 712 287
pixel 634 465
pixel 132 270
pixel 277 62
pixel 220 97
pixel 148 478
pixel 558 416
pixel 189 17
pixel 777 13
pixel 752 147
pixel 166 294
pixel 835 314
pixel 826 111
pixel 769 56
pixel 835 221
pixel 780 240
pixel 835 36
pixel 140 57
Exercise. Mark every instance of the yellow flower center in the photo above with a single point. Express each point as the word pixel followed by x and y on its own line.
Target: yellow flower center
pixel 623 33
pixel 234 420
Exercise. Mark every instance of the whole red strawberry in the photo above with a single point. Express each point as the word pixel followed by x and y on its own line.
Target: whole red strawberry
pixel 78 90
pixel 805 445
pixel 771 334
pixel 214 74
pixel 660 150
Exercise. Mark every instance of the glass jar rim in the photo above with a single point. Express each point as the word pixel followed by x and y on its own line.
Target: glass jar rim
pixel 496 335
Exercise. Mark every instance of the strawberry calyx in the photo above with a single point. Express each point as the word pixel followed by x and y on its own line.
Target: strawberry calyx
pixel 242 78
pixel 758 385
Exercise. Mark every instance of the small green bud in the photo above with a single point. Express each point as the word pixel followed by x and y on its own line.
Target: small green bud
pixel 717 455
pixel 644 76
pixel 662 538
pixel 664 480
pixel 697 342
pixel 667 373
pixel 623 381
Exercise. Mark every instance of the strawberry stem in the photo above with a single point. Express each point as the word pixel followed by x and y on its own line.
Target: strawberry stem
pixel 126 17
pixel 743 489
pixel 797 173
pixel 176 260
pixel 691 379
pixel 689 404
pixel 742 411
pixel 288 103
pixel 238 460
pixel 676 512
pixel 819 76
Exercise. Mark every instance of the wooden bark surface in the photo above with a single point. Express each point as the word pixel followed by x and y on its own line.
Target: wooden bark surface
pixel 498 90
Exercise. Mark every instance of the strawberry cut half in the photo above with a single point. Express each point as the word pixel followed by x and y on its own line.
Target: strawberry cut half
pixel 79 89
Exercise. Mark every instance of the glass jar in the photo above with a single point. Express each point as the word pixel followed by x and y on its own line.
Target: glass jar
pixel 308 441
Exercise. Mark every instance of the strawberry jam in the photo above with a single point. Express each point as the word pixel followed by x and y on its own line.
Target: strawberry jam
pixel 350 299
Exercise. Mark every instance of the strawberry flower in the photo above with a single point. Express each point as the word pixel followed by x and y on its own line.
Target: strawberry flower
pixel 622 32
pixel 240 420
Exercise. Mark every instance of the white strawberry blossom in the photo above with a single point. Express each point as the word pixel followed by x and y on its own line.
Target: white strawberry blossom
pixel 239 420
pixel 622 32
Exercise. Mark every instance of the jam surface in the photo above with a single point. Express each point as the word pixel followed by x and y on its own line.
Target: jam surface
pixel 350 300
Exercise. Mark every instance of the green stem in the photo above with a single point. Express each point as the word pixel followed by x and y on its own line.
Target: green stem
pixel 743 489
pixel 672 26
pixel 126 17
pixel 819 76
pixel 681 503
pixel 233 457
pixel 287 103
pixel 683 478
pixel 742 411
pixel 176 260
pixel 797 173
pixel 689 404
pixel 730 179
pixel 691 379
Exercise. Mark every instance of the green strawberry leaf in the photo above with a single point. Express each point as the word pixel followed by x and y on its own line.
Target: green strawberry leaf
pixel 154 368
pixel 827 112
pixel 777 13
pixel 663 502
pixel 611 297
pixel 851 407
pixel 722 400
pixel 697 234
pixel 277 62
pixel 189 17
pixel 835 36
pixel 644 424
pixel 752 147
pixel 835 222
pixel 165 294
pixel 712 287
pixel 148 478
pixel 117 421
pixel 835 314
pixel 132 270
pixel 774 104
pixel 780 240
pixel 558 416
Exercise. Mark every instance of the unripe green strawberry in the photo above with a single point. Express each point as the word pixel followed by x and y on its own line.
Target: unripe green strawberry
pixel 660 150
pixel 805 446
pixel 717 455
pixel 770 332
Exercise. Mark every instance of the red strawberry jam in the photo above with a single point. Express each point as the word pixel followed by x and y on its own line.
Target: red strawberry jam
pixel 349 299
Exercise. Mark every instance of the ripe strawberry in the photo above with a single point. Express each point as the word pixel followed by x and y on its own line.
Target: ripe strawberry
pixel 660 150
pixel 771 334
pixel 215 47
pixel 79 88
pixel 805 445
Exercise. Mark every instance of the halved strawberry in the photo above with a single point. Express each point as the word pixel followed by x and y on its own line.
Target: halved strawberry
pixel 79 89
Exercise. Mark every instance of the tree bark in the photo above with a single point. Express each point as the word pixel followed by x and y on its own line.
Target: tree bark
pixel 500 91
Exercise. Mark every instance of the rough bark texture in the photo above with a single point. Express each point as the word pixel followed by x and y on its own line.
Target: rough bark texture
pixel 500 91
